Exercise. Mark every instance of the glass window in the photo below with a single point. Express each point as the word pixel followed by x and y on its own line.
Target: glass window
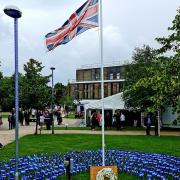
pixel 122 71
pixel 118 76
pixel 97 74
pixel 79 75
pixel 105 90
pixel 87 75
pixel 111 76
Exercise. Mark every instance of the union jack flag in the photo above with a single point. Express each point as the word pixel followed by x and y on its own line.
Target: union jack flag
pixel 86 17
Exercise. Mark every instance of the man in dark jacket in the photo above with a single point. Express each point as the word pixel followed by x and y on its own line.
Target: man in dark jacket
pixel 148 124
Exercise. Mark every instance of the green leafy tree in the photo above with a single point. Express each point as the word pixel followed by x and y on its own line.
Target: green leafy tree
pixel 68 99
pixel 158 82
pixel 139 97
pixel 172 42
pixel 59 93
pixel 1 74
pixel 6 93
pixel 166 79
pixel 35 91
pixel 163 84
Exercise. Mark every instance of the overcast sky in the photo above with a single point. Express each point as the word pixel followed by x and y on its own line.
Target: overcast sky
pixel 126 24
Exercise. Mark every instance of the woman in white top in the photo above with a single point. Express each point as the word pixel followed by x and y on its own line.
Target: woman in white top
pixel 41 120
pixel 122 118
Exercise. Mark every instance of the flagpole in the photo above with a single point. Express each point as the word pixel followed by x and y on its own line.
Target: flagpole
pixel 102 78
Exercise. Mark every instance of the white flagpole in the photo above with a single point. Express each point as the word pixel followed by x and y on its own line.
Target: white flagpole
pixel 102 77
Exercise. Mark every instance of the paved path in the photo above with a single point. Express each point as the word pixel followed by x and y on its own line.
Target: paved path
pixel 8 136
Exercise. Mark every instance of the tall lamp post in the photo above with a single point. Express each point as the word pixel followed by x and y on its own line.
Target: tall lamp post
pixel 52 99
pixel 15 13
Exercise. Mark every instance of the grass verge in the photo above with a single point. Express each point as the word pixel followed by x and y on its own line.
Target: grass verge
pixel 32 144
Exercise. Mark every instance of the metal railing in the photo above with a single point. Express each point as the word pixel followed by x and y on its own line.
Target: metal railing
pixel 106 64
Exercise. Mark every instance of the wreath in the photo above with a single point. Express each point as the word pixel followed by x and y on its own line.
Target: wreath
pixel 106 172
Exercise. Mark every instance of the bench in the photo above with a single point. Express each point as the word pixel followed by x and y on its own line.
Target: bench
pixel 32 119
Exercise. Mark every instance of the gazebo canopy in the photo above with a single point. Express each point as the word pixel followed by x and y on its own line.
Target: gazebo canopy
pixel 111 102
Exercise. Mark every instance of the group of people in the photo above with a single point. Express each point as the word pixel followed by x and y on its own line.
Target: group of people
pixel 41 116
pixel 95 120
pixel 44 117
pixel 23 116
pixel 118 120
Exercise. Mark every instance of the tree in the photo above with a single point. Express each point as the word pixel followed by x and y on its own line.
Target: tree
pixel 1 75
pixel 157 84
pixel 60 92
pixel 172 42
pixel 163 83
pixel 36 92
pixel 166 80
pixel 139 97
pixel 6 93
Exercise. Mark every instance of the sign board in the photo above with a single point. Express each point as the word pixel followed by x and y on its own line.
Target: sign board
pixel 95 169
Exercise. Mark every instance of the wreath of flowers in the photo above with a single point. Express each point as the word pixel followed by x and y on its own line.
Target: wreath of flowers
pixel 106 172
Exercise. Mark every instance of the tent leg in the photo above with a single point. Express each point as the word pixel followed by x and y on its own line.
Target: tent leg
pixel 85 117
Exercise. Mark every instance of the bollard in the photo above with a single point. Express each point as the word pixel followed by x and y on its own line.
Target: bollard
pixel 69 163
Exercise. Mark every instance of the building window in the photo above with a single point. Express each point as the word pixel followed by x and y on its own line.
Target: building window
pixel 105 90
pixel 111 76
pixel 118 76
pixel 97 74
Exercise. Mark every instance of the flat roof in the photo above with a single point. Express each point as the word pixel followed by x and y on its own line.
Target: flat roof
pixel 106 64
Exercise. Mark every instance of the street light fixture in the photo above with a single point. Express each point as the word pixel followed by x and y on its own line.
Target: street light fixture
pixel 52 99
pixel 15 13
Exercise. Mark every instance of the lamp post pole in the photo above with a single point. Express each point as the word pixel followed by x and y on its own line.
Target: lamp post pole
pixel 52 99
pixel 15 13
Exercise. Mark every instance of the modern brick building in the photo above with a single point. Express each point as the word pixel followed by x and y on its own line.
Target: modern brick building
pixel 87 85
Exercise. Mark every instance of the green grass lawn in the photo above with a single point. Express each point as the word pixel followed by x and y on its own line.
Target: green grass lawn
pixel 86 176
pixel 70 115
pixel 4 114
pixel 32 144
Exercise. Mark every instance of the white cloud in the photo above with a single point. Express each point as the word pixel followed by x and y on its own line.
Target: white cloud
pixel 127 24
pixel 112 35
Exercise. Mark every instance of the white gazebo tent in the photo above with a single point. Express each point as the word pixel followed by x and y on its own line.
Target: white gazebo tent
pixel 111 102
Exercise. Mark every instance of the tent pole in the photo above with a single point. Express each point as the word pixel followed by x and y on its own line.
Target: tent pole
pixel 85 116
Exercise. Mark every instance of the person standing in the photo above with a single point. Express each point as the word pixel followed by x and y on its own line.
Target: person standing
pixel 1 122
pixel 26 117
pixel 10 121
pixel 41 120
pixel 122 120
pixel 51 116
pixel 148 124
pixel 99 118
pixel 108 120
pixel 155 118
pixel 13 118
pixel 33 112
pixel 48 119
pixel 59 117
pixel 93 120
pixel 118 120
pixel 21 116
